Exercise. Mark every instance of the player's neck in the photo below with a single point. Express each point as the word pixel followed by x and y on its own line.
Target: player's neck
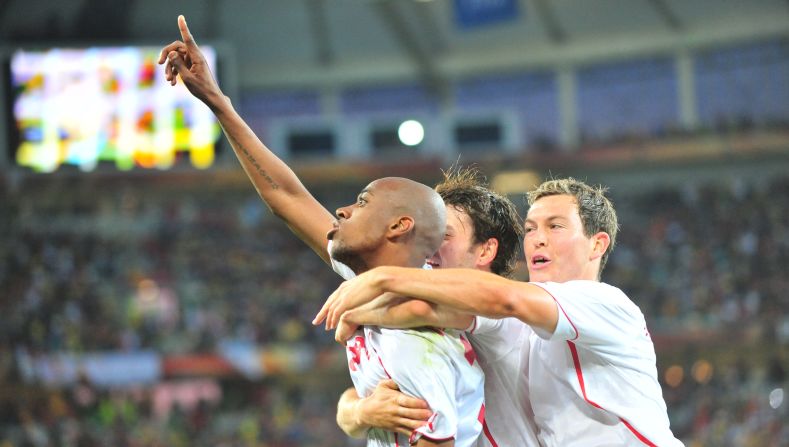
pixel 395 255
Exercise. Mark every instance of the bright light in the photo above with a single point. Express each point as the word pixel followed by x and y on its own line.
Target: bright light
pixel 702 371
pixel 776 398
pixel 674 375
pixel 411 132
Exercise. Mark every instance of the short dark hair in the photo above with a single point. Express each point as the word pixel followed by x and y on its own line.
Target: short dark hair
pixel 595 209
pixel 493 215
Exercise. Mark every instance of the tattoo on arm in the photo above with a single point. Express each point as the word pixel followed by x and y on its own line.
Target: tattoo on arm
pixel 262 172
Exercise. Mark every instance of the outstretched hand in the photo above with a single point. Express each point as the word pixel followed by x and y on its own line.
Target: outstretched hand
pixel 350 295
pixel 183 57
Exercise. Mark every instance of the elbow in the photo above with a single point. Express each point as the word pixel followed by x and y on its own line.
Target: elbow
pixel 422 312
pixel 503 303
pixel 421 309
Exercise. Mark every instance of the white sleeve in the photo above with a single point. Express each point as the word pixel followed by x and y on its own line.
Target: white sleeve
pixel 593 314
pixel 340 268
pixel 483 325
pixel 406 358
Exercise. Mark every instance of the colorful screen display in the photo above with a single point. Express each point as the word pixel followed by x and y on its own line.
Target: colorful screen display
pixel 84 106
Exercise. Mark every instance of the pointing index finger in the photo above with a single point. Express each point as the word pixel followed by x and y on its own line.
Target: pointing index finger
pixel 186 36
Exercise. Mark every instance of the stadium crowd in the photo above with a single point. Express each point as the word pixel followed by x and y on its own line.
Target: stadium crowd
pixel 89 267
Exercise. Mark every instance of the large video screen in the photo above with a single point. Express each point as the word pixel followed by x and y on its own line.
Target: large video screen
pixel 85 106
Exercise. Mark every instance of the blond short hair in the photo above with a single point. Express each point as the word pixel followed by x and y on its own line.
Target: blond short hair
pixel 595 209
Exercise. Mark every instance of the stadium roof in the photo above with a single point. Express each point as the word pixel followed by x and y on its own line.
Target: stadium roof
pixel 292 43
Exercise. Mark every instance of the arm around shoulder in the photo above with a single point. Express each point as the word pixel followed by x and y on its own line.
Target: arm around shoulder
pixel 473 292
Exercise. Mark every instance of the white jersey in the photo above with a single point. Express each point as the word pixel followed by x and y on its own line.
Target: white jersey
pixel 593 382
pixel 502 348
pixel 437 366
pixel 434 365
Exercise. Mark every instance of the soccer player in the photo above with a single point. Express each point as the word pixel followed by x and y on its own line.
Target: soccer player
pixel 394 221
pixel 590 369
pixel 484 232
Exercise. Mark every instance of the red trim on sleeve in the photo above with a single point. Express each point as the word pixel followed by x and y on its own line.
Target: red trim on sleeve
pixel 560 308
pixel 579 373
pixel 416 434
pixel 473 325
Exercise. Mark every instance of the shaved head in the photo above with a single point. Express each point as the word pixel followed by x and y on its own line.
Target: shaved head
pixel 421 202
pixel 395 221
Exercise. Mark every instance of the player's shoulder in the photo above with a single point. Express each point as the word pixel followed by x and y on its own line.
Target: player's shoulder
pixel 418 338
pixel 422 345
pixel 590 291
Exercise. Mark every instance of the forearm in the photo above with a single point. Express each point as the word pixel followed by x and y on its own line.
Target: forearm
pixel 408 314
pixel 471 292
pixel 270 175
pixel 275 181
pixel 422 442
pixel 347 410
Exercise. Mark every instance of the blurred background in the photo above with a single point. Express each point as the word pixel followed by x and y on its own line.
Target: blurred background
pixel 149 298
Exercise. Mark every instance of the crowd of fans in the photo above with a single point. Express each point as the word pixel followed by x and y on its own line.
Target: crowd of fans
pixel 102 265
pixel 126 271
pixel 264 414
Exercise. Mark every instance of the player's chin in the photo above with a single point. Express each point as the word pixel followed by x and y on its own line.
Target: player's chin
pixel 538 276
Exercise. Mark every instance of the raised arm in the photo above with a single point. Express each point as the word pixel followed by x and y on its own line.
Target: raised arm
pixel 468 291
pixel 275 182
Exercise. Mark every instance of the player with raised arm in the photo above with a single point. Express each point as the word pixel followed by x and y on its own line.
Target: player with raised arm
pixel 275 182
pixel 394 221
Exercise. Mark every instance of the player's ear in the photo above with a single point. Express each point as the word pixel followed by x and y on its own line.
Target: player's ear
pixel 600 243
pixel 488 252
pixel 402 225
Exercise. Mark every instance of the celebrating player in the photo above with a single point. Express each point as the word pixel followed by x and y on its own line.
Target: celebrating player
pixel 484 232
pixel 394 221
pixel 590 366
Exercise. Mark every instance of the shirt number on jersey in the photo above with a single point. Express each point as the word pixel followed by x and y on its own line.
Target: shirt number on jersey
pixel 356 348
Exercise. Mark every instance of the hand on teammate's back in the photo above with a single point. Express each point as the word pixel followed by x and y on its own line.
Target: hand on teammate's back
pixel 390 409
pixel 183 57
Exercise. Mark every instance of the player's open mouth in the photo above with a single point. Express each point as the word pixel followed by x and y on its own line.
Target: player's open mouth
pixel 330 233
pixel 539 261
pixel 432 264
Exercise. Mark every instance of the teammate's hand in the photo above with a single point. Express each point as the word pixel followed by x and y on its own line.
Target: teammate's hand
pixel 350 295
pixel 391 410
pixel 344 330
pixel 183 57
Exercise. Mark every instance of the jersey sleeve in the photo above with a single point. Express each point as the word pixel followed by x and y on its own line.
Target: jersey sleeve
pixel 483 325
pixel 594 314
pixel 406 359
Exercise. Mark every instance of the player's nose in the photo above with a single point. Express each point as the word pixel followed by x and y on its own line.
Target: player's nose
pixel 343 212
